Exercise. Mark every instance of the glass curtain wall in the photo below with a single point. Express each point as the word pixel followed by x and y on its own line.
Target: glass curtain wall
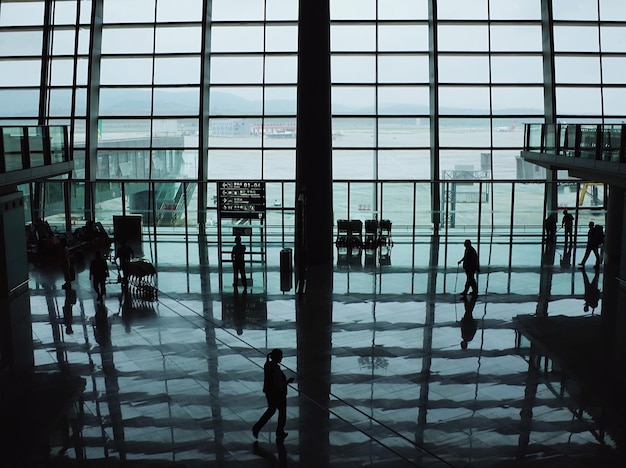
pixel 428 103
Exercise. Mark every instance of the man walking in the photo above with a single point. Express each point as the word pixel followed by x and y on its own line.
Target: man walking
pixel 470 266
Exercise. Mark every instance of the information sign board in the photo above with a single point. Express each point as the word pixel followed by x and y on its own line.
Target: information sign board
pixel 241 199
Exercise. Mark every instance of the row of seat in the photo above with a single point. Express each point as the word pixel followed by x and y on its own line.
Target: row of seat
pixel 350 235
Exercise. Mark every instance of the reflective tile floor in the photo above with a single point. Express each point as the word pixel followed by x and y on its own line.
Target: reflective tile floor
pixel 392 367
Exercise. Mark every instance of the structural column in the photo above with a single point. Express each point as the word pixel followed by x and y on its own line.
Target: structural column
pixel 314 205
pixel 614 293
pixel 16 344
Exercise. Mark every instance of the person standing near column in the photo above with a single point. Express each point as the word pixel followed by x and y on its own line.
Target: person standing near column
pixel 239 264
pixel 568 228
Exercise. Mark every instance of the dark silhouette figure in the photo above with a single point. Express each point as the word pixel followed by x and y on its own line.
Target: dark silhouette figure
pixel 275 389
pixel 468 323
pixel 125 254
pixel 98 273
pixel 567 223
pixel 593 243
pixel 549 227
pixel 239 264
pixel 471 267
pixel 68 318
pixel 592 292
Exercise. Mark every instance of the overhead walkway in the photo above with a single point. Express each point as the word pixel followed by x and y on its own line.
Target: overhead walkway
pixel 586 151
pixel 30 153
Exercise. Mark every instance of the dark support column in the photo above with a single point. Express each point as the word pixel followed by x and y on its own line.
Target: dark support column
pixel 435 174
pixel 203 131
pixel 614 294
pixel 314 211
pixel 16 343
pixel 93 106
pixel 314 230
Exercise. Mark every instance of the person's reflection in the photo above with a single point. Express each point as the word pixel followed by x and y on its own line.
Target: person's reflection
pixel 468 323
pixel 566 258
pixel 70 300
pixel 126 308
pixel 239 315
pixel 549 249
pixel 102 335
pixel 592 292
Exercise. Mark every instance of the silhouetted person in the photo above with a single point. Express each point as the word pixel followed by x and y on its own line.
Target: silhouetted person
pixel 239 263
pixel 593 243
pixel 98 273
pixel 275 389
pixel 125 254
pixel 549 227
pixel 592 292
pixel 468 323
pixel 70 300
pixel 567 223
pixel 471 267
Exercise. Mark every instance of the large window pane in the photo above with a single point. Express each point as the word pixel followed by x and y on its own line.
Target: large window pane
pixel 509 38
pixel 118 101
pixel 576 39
pixel 403 132
pixel 183 101
pixel 569 10
pixel 353 133
pixel 178 39
pixel 615 101
pixel 402 100
pixel 20 43
pixel 279 164
pixel 352 38
pixel 353 69
pixel 127 40
pixel 458 133
pixel 516 69
pixel 517 100
pixel 236 38
pixel 282 38
pixel 20 72
pixel 508 10
pixel 126 71
pixel 353 165
pixel 463 100
pixel 229 165
pixel 179 10
pixel 231 70
pixel 403 69
pixel 463 38
pixel 402 38
pixel 177 70
pixel 463 69
pixel 353 100
pixel 404 164
pixel 578 101
pixel 281 69
pixel 402 9
pixel 128 11
pixel 236 100
pixel 577 69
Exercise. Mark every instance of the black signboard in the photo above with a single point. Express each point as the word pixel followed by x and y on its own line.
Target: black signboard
pixel 241 199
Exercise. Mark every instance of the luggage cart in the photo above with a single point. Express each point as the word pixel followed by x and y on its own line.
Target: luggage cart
pixel 140 281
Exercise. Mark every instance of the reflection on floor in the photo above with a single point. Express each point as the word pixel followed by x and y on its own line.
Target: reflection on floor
pixel 392 367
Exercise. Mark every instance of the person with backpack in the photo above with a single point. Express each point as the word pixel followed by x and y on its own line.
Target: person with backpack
pixel 595 238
